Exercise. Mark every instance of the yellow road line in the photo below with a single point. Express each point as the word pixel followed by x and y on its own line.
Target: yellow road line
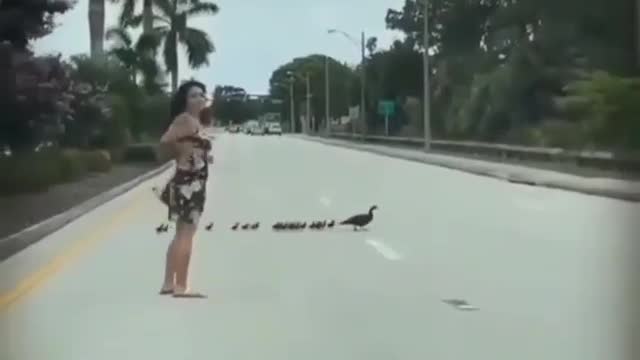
pixel 79 247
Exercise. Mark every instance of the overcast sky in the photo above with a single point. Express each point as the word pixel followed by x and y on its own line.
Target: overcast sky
pixel 253 37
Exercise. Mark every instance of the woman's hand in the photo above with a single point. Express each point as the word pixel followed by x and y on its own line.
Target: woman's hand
pixel 210 159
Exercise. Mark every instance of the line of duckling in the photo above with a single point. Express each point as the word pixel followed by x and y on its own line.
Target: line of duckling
pixel 279 226
pixel 298 225
pixel 357 221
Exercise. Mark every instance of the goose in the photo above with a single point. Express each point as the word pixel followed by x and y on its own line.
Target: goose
pixel 361 220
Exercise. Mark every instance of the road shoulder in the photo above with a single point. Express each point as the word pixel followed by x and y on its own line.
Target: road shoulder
pixel 604 187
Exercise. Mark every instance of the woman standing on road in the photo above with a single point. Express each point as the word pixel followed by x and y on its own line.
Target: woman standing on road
pixel 185 193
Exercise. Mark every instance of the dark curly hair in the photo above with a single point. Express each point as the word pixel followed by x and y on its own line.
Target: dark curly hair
pixel 179 100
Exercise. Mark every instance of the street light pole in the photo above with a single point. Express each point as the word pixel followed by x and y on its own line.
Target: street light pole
pixel 362 84
pixel 425 64
pixel 327 108
pixel 361 112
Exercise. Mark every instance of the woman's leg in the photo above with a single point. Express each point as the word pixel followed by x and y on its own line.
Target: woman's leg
pixel 170 268
pixel 182 252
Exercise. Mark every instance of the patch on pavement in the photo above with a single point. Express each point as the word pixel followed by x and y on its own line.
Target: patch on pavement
pixel 460 304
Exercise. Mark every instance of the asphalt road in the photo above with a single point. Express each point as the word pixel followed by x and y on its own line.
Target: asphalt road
pixel 543 268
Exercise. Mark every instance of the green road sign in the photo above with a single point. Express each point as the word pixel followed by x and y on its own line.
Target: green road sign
pixel 386 108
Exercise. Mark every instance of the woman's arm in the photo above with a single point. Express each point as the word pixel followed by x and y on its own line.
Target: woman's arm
pixel 170 146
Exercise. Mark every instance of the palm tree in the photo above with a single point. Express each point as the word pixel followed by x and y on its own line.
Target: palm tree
pixel 173 16
pixel 128 9
pixel 138 58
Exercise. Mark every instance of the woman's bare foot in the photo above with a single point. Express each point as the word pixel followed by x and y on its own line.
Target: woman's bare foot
pixel 183 293
pixel 166 290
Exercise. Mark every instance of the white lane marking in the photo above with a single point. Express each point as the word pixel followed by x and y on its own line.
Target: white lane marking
pixel 324 200
pixel 384 250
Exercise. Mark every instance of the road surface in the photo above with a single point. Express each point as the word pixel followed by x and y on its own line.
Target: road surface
pixel 543 268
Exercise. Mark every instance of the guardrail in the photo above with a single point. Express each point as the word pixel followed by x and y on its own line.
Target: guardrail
pixel 625 162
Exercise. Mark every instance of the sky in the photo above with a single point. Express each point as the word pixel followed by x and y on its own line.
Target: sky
pixel 252 37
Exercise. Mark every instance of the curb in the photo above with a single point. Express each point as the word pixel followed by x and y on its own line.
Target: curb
pixel 19 241
pixel 478 169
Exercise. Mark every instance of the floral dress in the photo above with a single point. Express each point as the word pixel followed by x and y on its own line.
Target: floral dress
pixel 185 194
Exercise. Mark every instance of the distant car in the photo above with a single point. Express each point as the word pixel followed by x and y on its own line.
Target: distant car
pixel 256 129
pixel 249 125
pixel 273 128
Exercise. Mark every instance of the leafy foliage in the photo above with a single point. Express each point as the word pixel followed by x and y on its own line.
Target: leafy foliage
pixel 36 98
pixel 174 30
pixel 342 83
pixel 24 20
pixel 139 57
pixel 500 68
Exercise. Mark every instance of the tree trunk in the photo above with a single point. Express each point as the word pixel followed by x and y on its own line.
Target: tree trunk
pixel 96 27
pixel 147 16
pixel 637 18
pixel 174 79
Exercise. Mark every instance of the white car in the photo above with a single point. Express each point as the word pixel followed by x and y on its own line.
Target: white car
pixel 256 130
pixel 274 128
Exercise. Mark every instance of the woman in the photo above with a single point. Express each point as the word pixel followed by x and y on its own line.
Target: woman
pixel 185 193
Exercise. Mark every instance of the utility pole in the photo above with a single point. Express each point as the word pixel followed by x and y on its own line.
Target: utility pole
pixel 292 108
pixel 427 98
pixel 362 85
pixel 637 18
pixel 308 117
pixel 327 108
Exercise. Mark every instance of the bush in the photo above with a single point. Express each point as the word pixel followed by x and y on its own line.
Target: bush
pixel 30 172
pixel 117 154
pixel 71 165
pixel 33 172
pixel 141 153
pixel 98 161
pixel 607 109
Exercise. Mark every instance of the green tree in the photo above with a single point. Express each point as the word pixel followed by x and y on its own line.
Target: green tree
pixel 138 57
pixel 173 17
pixel 24 20
pixel 342 80
pixel 32 89
pixel 497 66
pixel 127 13
pixel 231 104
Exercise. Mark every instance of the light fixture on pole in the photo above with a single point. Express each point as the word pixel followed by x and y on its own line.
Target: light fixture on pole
pixel 362 45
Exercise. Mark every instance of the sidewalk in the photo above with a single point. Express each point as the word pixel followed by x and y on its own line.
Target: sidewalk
pixel 606 187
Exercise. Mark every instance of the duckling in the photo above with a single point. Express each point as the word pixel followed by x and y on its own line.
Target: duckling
pixel 290 226
pixel 303 225
pixel 255 226
pixel 235 226
pixel 278 226
pixel 209 227
pixel 321 225
pixel 331 224
pixel 160 229
pixel 245 226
